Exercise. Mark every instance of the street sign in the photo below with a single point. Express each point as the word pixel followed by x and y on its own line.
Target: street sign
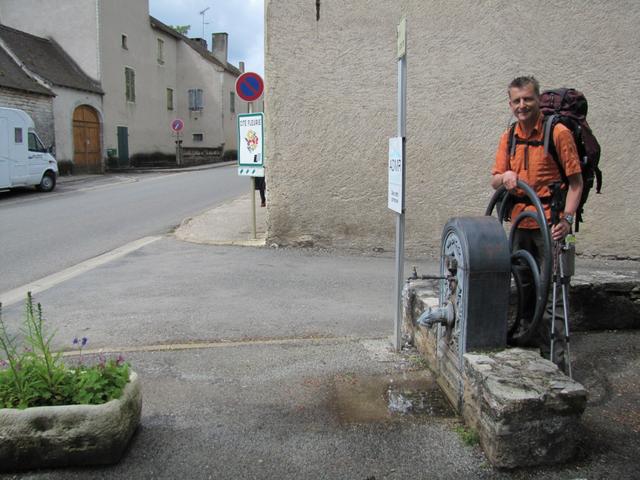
pixel 395 198
pixel 177 125
pixel 251 144
pixel 249 86
pixel 402 38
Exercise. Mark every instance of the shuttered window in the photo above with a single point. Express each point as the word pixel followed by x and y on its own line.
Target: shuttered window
pixel 196 99
pixel 130 84
pixel 169 98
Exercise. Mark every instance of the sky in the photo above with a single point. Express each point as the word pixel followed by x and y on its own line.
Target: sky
pixel 243 20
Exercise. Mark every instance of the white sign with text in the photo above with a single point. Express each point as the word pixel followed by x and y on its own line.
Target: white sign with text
pixel 395 199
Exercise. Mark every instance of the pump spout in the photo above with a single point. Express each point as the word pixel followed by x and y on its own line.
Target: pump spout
pixel 433 315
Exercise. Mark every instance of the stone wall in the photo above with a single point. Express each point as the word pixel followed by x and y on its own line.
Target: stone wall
pixel 525 411
pixel 39 107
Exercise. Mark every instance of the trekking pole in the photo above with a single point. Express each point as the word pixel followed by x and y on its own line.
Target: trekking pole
pixel 564 281
pixel 554 298
pixel 556 205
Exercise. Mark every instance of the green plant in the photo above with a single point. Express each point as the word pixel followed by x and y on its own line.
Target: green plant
pixel 32 375
pixel 468 435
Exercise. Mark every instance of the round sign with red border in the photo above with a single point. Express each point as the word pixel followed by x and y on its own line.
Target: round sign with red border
pixel 249 86
pixel 177 125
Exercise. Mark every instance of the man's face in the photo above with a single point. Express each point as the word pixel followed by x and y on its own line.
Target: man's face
pixel 524 103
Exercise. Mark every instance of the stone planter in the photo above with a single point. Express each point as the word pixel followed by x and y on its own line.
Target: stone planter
pixel 41 437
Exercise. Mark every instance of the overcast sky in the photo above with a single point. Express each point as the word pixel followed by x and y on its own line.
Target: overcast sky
pixel 243 20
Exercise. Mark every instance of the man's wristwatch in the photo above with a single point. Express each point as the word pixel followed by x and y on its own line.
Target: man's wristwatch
pixel 569 218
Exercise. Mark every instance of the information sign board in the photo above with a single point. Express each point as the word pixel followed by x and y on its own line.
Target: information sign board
pixel 251 144
pixel 395 198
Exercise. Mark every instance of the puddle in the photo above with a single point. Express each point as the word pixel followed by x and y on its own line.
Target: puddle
pixel 383 398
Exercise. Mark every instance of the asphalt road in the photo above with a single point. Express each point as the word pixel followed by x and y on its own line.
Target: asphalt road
pixel 41 234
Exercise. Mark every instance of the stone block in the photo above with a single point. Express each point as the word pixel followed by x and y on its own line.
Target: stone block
pixel 525 410
pixel 69 435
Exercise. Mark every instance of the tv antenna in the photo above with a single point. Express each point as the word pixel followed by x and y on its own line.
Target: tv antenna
pixel 202 12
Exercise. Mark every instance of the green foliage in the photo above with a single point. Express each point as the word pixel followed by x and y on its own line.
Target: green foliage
pixel 468 435
pixel 31 375
pixel 181 29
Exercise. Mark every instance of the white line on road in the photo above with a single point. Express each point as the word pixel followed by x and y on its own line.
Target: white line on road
pixel 20 293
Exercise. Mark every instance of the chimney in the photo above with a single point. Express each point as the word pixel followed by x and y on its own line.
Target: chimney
pixel 219 46
pixel 241 66
pixel 200 41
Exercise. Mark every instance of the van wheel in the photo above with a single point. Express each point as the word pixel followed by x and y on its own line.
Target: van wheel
pixel 47 183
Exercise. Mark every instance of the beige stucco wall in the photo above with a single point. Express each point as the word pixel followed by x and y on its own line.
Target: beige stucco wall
pixel 331 102
pixel 73 24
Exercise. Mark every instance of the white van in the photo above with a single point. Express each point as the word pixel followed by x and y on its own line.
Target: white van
pixel 24 161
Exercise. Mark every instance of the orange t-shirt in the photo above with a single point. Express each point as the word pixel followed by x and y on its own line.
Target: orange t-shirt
pixel 534 167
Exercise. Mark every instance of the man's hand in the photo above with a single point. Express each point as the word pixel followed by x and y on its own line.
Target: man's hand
pixel 560 230
pixel 510 179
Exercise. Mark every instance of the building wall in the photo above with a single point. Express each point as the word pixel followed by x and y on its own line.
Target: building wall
pixel 39 107
pixel 64 104
pixel 72 23
pixel 331 87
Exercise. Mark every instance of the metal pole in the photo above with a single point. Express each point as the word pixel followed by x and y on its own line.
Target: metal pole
pixel 253 194
pixel 402 124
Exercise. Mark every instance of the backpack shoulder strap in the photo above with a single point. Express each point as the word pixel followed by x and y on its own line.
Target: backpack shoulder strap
pixel 511 145
pixel 549 145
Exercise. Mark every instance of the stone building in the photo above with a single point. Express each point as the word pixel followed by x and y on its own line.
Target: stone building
pixel 72 126
pixel 150 75
pixel 19 90
pixel 331 97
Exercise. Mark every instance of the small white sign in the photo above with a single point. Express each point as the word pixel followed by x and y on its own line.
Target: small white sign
pixel 251 171
pixel 251 144
pixel 395 199
pixel 402 37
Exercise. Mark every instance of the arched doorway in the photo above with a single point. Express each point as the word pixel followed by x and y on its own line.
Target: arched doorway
pixel 87 152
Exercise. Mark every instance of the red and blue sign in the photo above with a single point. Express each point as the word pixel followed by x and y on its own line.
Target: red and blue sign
pixel 177 125
pixel 249 86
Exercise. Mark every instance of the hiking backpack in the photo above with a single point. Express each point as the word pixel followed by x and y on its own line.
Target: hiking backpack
pixel 569 107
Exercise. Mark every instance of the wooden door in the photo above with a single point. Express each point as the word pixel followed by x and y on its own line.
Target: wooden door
pixel 87 151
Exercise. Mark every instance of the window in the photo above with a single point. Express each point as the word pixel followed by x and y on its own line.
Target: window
pixel 160 51
pixel 196 99
pixel 17 135
pixel 232 102
pixel 169 98
pixel 198 137
pixel 123 42
pixel 130 84
pixel 35 145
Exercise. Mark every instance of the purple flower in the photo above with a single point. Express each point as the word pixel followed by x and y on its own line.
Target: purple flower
pixel 120 360
pixel 84 341
pixel 3 363
pixel 75 340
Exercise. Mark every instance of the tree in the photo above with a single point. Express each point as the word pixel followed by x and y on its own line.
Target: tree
pixel 181 29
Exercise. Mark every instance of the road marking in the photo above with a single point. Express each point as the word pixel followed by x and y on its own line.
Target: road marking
pixel 174 347
pixel 20 293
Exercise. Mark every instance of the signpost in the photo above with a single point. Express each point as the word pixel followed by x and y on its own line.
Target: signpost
pixel 397 174
pixel 249 87
pixel 177 124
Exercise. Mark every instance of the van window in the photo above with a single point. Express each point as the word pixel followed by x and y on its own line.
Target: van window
pixel 35 145
pixel 17 135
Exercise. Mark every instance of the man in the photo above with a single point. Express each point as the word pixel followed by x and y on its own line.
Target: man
pixel 530 164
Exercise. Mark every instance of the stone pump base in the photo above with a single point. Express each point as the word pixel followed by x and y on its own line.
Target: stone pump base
pixel 69 435
pixel 525 410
